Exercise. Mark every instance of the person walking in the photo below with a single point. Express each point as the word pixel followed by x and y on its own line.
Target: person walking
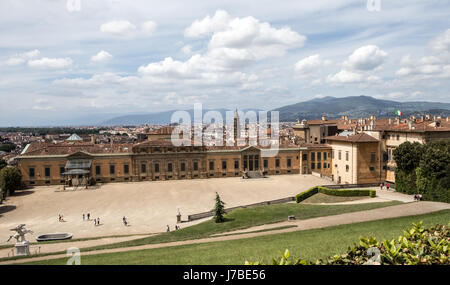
pixel 381 186
pixel 98 221
pixel 168 228
pixel 387 186
pixel 89 216
pixel 83 217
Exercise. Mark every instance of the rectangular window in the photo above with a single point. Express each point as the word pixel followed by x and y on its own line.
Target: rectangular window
pixel 277 163
pixel 347 168
pixel 266 163
pixel 256 162
pixel 143 168
pixel 236 164
pixel 112 169
pixel 183 166
pixel 339 155
pixel 156 167
pixel 47 172
pixel 318 165
pixel 195 166
pixel 169 167
pixel 61 170
pixel 319 156
pixel 346 155
pixel 313 156
pixel 332 154
pixel 313 165
pixel 289 163
pixel 398 137
pixel 324 156
pixel 224 165
pixel 372 157
pixel 324 165
pixel 31 171
pixel 372 168
pixel 304 157
pixel 211 165
pixel 97 170
pixel 126 169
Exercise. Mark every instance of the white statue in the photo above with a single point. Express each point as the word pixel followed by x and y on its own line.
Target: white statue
pixel 20 233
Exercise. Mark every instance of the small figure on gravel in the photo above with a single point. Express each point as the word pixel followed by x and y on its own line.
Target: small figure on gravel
pixel 89 216
pixel 124 219
pixel 84 217
pixel 387 186
pixel 381 186
pixel 168 228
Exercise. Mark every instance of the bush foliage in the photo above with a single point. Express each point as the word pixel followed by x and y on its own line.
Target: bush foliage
pixel 343 193
pixel 424 169
pixel 417 246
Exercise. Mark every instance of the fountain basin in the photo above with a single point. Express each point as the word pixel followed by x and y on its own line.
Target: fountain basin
pixel 56 236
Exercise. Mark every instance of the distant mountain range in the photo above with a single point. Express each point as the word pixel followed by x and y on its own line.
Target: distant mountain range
pixel 332 107
pixel 358 106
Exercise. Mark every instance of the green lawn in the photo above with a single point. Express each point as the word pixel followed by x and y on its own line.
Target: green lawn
pixel 249 217
pixel 323 198
pixel 308 244
pixel 241 219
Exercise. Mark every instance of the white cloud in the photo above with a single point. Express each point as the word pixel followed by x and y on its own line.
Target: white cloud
pixel 208 25
pixel 441 44
pixel 148 27
pixel 234 44
pixel 19 59
pixel 310 64
pixel 53 63
pixel 365 58
pixel 102 56
pixel 118 28
pixel 187 49
pixel 436 65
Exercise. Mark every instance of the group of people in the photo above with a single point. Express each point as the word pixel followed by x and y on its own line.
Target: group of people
pixel 88 215
pixel 176 228
pixel 417 197
pixel 61 218
pixel 382 185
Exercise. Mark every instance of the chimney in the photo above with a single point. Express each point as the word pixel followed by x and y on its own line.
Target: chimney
pixel 324 118
pixel 298 121
pixel 390 121
pixel 342 117
pixel 446 119
pixel 410 125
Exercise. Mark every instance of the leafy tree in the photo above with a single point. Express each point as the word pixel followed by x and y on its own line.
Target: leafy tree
pixel 2 163
pixel 10 179
pixel 407 156
pixel 219 210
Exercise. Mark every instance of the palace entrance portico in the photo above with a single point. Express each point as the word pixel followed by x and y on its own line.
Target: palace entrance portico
pixel 251 161
pixel 77 170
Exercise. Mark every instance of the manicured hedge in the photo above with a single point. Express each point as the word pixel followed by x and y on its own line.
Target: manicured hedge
pixel 343 193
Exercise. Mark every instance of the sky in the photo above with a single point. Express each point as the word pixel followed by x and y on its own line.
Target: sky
pixel 62 60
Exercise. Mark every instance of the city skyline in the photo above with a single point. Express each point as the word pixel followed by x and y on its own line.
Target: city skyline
pixel 61 62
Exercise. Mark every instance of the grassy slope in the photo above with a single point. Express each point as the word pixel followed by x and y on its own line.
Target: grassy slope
pixel 323 198
pixel 309 244
pixel 253 216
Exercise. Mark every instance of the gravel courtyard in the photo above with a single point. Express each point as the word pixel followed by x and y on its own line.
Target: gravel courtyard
pixel 148 206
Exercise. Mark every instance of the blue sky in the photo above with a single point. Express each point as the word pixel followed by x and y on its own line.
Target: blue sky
pixel 61 60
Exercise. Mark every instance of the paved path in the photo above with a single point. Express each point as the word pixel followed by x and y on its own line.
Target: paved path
pixel 62 246
pixel 408 209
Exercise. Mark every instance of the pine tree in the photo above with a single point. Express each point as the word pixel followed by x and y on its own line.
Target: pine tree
pixel 219 210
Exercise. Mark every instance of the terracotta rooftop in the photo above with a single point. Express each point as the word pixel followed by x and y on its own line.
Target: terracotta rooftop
pixel 358 138
pixel 64 148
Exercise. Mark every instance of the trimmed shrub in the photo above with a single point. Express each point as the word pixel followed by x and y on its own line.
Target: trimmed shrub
pixel 305 195
pixel 333 192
